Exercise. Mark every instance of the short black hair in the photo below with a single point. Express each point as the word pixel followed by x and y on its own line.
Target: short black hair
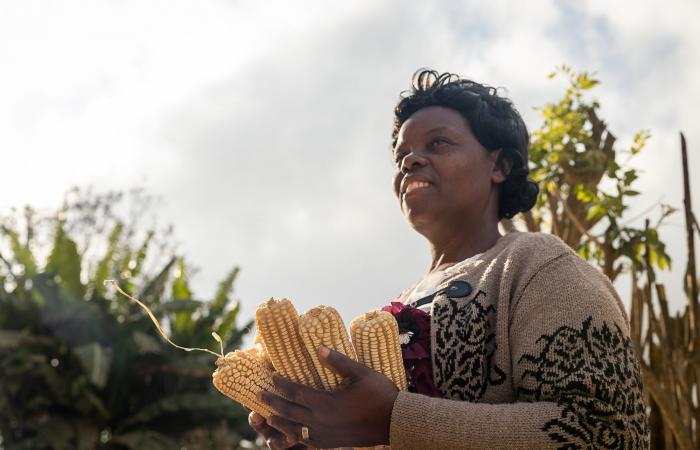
pixel 493 119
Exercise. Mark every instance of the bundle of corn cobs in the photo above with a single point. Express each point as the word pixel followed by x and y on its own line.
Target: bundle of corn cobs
pixel 288 344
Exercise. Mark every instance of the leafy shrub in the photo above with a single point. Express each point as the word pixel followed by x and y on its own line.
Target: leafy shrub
pixel 80 368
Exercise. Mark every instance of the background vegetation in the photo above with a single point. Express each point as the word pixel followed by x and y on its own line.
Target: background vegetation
pixel 81 370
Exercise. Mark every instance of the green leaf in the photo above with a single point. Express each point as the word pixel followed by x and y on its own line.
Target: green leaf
pixel 221 299
pixel 585 82
pixel 136 264
pixel 186 305
pixel 594 212
pixel 94 404
pixel 57 433
pixel 181 289
pixel 236 335
pixel 102 272
pixel 182 403
pixel 15 339
pixel 95 360
pixel 629 177
pixel 22 254
pixel 228 323
pixel 146 343
pixel 64 261
pixel 155 287
pixel 639 141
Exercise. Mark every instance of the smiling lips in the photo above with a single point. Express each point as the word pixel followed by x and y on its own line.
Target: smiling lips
pixel 413 185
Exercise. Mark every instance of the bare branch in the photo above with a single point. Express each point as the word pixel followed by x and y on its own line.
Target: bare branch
pixel 7 263
pixel 530 222
pixel 690 236
pixel 507 225
pixel 577 223
pixel 555 216
pixel 671 417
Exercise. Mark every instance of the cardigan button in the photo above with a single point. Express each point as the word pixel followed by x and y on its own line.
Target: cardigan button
pixel 458 289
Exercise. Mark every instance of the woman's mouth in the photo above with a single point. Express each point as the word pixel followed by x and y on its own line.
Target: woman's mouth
pixel 414 185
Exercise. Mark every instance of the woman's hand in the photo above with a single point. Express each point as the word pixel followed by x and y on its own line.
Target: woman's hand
pixel 356 415
pixel 275 439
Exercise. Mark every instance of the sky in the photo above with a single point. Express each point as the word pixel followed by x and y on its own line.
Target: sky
pixel 265 126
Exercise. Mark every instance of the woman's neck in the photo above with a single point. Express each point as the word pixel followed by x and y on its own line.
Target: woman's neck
pixel 460 246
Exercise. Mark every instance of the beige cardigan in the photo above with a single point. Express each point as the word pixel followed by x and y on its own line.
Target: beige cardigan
pixel 537 356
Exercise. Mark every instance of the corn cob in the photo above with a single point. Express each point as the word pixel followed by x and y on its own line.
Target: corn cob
pixel 241 375
pixel 260 350
pixel 322 325
pixel 375 335
pixel 278 323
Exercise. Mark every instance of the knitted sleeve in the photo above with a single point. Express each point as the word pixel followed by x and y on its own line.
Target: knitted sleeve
pixel 576 379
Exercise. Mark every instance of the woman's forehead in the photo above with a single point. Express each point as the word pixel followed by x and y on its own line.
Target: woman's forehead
pixel 432 119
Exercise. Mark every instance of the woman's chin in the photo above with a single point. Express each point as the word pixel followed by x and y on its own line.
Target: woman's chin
pixel 419 220
pixel 421 211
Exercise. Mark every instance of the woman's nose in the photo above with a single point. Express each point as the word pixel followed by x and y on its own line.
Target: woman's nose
pixel 413 161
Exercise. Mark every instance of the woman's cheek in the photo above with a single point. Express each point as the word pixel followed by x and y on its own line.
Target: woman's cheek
pixel 396 184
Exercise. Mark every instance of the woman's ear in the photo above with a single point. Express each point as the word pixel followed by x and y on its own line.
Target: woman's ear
pixel 502 164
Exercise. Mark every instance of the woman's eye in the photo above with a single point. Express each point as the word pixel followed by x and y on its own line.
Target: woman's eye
pixel 439 141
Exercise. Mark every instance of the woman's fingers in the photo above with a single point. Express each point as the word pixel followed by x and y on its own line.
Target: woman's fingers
pixel 298 393
pixel 257 422
pixel 285 408
pixel 290 429
pixel 274 438
pixel 260 425
pixel 342 365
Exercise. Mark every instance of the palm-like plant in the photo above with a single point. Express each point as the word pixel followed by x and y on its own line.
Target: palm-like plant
pixel 82 369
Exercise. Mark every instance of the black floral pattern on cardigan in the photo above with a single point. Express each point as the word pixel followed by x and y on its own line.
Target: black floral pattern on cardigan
pixel 593 375
pixel 465 344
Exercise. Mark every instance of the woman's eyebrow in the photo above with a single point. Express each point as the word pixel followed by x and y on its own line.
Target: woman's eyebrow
pixel 440 128
pixel 430 131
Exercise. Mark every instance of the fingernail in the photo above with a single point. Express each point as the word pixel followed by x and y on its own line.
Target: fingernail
pixel 324 351
pixel 256 419
pixel 260 396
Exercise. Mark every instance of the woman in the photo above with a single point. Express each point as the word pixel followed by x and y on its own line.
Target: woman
pixel 528 345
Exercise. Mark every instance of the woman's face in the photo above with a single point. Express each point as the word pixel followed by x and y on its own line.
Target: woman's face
pixel 444 176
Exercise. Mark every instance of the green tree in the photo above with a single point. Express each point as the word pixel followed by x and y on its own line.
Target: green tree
pixel 584 185
pixel 81 368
